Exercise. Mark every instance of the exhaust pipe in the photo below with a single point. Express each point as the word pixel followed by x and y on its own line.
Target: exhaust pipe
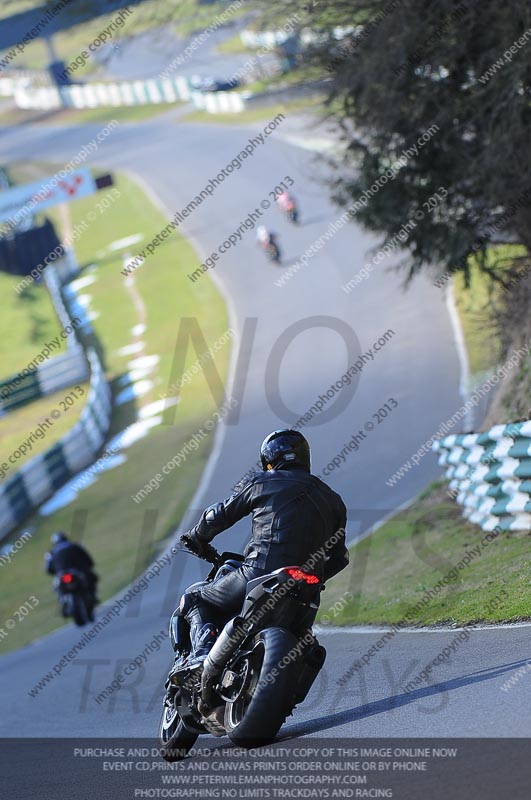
pixel 226 645
pixel 311 667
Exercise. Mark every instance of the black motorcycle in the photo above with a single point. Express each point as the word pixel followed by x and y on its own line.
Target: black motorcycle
pixel 262 665
pixel 74 596
pixel 271 248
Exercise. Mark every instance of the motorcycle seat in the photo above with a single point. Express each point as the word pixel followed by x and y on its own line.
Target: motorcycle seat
pixel 235 564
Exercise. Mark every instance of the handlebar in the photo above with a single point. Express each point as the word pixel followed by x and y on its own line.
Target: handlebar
pixel 211 555
pixel 208 552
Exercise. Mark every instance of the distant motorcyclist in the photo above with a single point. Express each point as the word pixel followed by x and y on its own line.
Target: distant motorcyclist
pixel 65 555
pixel 267 240
pixel 263 236
pixel 295 515
pixel 286 203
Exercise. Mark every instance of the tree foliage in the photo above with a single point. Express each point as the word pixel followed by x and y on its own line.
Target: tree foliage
pixel 406 66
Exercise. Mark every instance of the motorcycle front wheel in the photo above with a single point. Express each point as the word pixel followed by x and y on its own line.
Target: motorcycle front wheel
pixel 175 740
pixel 273 252
pixel 266 695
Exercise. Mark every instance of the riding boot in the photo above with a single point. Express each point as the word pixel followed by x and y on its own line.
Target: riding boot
pixel 202 636
pixel 202 645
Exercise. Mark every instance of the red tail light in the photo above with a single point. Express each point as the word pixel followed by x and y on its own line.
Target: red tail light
pixel 67 578
pixel 299 575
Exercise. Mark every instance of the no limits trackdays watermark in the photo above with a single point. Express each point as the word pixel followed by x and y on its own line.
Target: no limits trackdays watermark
pixel 190 446
pixel 139 586
pixel 318 408
pixel 411 612
pixel 450 649
pixel 114 610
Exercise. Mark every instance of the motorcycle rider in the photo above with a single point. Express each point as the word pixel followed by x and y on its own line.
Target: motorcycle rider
pixel 66 555
pixel 267 240
pixel 264 237
pixel 294 515
pixel 286 202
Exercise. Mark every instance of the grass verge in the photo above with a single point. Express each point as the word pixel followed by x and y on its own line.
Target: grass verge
pixel 16 427
pixel 28 320
pixel 408 555
pixel 186 16
pixel 394 568
pixel 475 312
pixel 232 46
pixel 300 77
pixel 104 516
pixel 74 116
pixel 258 114
pixel 477 306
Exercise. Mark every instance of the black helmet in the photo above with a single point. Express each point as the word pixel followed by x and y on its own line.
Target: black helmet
pixel 285 448
pixel 59 536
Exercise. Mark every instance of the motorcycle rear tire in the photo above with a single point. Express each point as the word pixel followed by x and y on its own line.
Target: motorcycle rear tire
pixel 255 717
pixel 79 610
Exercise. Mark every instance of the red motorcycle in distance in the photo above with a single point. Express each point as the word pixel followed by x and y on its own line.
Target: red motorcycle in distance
pixel 287 205
pixel 74 596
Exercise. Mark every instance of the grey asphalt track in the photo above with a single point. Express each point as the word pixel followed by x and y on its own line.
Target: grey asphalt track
pixel 47 19
pixel 419 368
pixel 149 54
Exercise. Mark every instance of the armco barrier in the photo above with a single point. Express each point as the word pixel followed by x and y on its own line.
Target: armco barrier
pixel 270 39
pixel 10 79
pixel 127 93
pixel 267 39
pixel 40 477
pixel 57 274
pixel 59 372
pixel 212 102
pixel 51 376
pixel 490 473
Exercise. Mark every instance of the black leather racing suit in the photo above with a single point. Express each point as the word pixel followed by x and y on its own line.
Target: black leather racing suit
pixel 296 518
pixel 69 555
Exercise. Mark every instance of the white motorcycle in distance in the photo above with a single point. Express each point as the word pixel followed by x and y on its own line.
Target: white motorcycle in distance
pixel 268 242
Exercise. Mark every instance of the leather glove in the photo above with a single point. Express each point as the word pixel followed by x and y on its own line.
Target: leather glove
pixel 200 548
pixel 193 544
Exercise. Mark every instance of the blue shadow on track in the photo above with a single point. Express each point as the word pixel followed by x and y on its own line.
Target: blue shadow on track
pixel 396 701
